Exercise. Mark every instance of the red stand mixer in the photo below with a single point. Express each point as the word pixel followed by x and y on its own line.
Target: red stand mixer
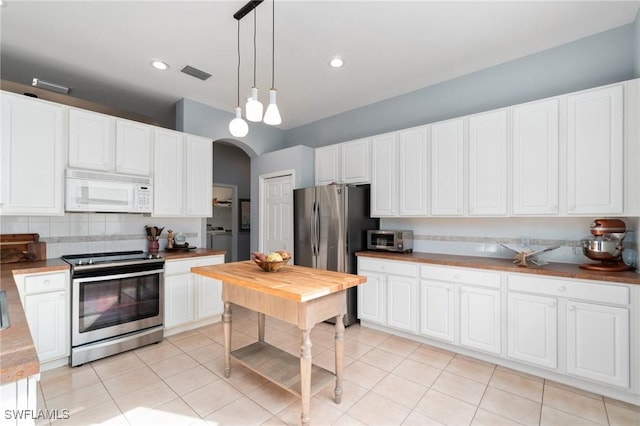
pixel 605 246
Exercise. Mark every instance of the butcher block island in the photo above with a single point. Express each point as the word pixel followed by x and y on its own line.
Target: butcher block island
pixel 295 294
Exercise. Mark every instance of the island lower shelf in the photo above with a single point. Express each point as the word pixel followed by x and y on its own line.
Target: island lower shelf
pixel 280 367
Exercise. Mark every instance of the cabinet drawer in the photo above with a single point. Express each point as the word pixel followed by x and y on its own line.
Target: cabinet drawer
pixel 183 266
pixel 389 267
pixel 576 290
pixel 45 283
pixel 464 276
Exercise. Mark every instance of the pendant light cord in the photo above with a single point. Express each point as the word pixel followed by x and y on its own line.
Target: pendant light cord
pixel 273 44
pixel 254 48
pixel 238 93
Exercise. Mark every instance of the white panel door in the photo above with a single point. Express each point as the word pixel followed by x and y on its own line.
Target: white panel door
pixel 327 164
pixel 532 329
pixel 488 164
pixel 168 175
pixel 437 310
pixel 413 172
pixel 133 148
pixel 480 319
pixel 384 175
pixel 402 303
pixel 372 298
pixel 46 315
pixel 355 161
pixel 447 168
pixel 209 296
pixel 91 140
pixel 278 214
pixel 598 343
pixel 179 300
pixel 535 158
pixel 199 176
pixel 31 157
pixel 595 163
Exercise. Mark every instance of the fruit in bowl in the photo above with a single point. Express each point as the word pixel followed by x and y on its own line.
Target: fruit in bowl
pixel 273 261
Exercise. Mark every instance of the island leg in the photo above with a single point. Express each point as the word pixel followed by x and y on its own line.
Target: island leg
pixel 226 327
pixel 261 321
pixel 339 345
pixel 305 376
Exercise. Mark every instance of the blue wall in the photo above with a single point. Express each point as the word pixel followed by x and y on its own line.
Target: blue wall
pixel 600 59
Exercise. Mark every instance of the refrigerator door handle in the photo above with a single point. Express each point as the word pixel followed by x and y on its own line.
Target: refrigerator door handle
pixel 314 235
pixel 317 223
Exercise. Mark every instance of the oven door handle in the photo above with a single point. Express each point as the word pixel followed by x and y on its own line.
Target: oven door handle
pixel 117 276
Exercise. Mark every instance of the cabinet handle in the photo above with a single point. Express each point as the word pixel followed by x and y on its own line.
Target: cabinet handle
pixel 456 277
pixel 562 289
pixel 554 208
pixel 572 207
pixel 552 304
pixel 571 308
pixel 61 297
pixel 47 282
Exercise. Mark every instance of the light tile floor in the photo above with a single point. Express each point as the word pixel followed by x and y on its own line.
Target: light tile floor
pixel 388 381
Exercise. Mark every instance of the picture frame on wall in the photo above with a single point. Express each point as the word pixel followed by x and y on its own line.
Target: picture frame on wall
pixel 244 212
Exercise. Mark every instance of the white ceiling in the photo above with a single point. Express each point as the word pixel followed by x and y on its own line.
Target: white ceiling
pixel 102 49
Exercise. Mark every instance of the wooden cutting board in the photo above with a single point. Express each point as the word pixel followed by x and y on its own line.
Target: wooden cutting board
pixel 21 248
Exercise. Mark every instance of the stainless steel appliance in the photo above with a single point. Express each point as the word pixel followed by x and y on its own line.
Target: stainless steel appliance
pixel 117 303
pixel 330 224
pixel 107 192
pixel 386 240
pixel 605 245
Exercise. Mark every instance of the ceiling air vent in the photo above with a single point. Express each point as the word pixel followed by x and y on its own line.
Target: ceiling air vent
pixel 195 72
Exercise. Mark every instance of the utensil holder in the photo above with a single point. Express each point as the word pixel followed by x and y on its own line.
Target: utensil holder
pixel 154 245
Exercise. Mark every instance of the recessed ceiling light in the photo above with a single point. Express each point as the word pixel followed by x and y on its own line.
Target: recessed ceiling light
pixel 159 65
pixel 336 62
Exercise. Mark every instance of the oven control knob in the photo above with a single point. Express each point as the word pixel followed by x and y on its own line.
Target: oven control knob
pixel 90 262
pixel 80 262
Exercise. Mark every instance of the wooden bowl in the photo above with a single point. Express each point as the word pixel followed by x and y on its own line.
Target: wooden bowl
pixel 270 266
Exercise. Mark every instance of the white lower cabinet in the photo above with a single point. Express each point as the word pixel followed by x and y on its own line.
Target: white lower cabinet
pixel 598 342
pixel 532 329
pixel 45 299
pixel 190 299
pixel 437 313
pixel 402 302
pixel 480 321
pixel 371 297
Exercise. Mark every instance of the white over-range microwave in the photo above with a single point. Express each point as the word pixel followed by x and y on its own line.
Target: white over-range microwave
pixel 88 191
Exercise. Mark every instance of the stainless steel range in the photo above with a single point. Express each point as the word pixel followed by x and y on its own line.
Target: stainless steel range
pixel 117 303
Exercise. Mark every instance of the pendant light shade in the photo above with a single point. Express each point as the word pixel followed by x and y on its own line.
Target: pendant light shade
pixel 238 127
pixel 254 107
pixel 272 116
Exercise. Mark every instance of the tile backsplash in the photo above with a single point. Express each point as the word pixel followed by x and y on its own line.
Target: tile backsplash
pixel 99 232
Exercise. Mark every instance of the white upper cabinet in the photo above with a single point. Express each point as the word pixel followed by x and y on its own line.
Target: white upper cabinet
pixel 105 143
pixel 133 148
pixel 413 172
pixel 488 164
pixel 199 171
pixel 91 140
pixel 346 162
pixel 595 147
pixel 32 157
pixel 447 168
pixel 384 176
pixel 168 177
pixel 535 158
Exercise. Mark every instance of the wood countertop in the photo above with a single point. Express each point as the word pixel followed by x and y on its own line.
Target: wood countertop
pixel 298 283
pixel 199 252
pixel 564 270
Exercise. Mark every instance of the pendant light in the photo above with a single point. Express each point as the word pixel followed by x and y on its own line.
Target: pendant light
pixel 238 127
pixel 254 107
pixel 272 116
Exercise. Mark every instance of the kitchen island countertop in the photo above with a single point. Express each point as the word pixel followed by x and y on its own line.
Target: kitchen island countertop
pixel 562 270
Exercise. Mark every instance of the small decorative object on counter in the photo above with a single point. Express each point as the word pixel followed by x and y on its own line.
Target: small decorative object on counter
pixel 273 261
pixel 169 239
pixel 524 255
pixel 153 233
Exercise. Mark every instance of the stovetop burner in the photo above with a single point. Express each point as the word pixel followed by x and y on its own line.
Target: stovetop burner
pixel 108 259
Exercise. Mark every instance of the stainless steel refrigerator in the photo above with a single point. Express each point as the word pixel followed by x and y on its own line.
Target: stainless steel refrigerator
pixel 330 224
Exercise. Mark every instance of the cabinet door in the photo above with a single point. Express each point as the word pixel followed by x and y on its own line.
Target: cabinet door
pixel 535 158
pixel 355 161
pixel 327 162
pixel 179 300
pixel 209 296
pixel 371 298
pixel 532 329
pixel 413 172
pixel 480 319
pixel 46 315
pixel 199 184
pixel 91 140
pixel 133 148
pixel 598 343
pixel 384 175
pixel 31 157
pixel 402 303
pixel 488 164
pixel 595 163
pixel 447 168
pixel 168 176
pixel 437 310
